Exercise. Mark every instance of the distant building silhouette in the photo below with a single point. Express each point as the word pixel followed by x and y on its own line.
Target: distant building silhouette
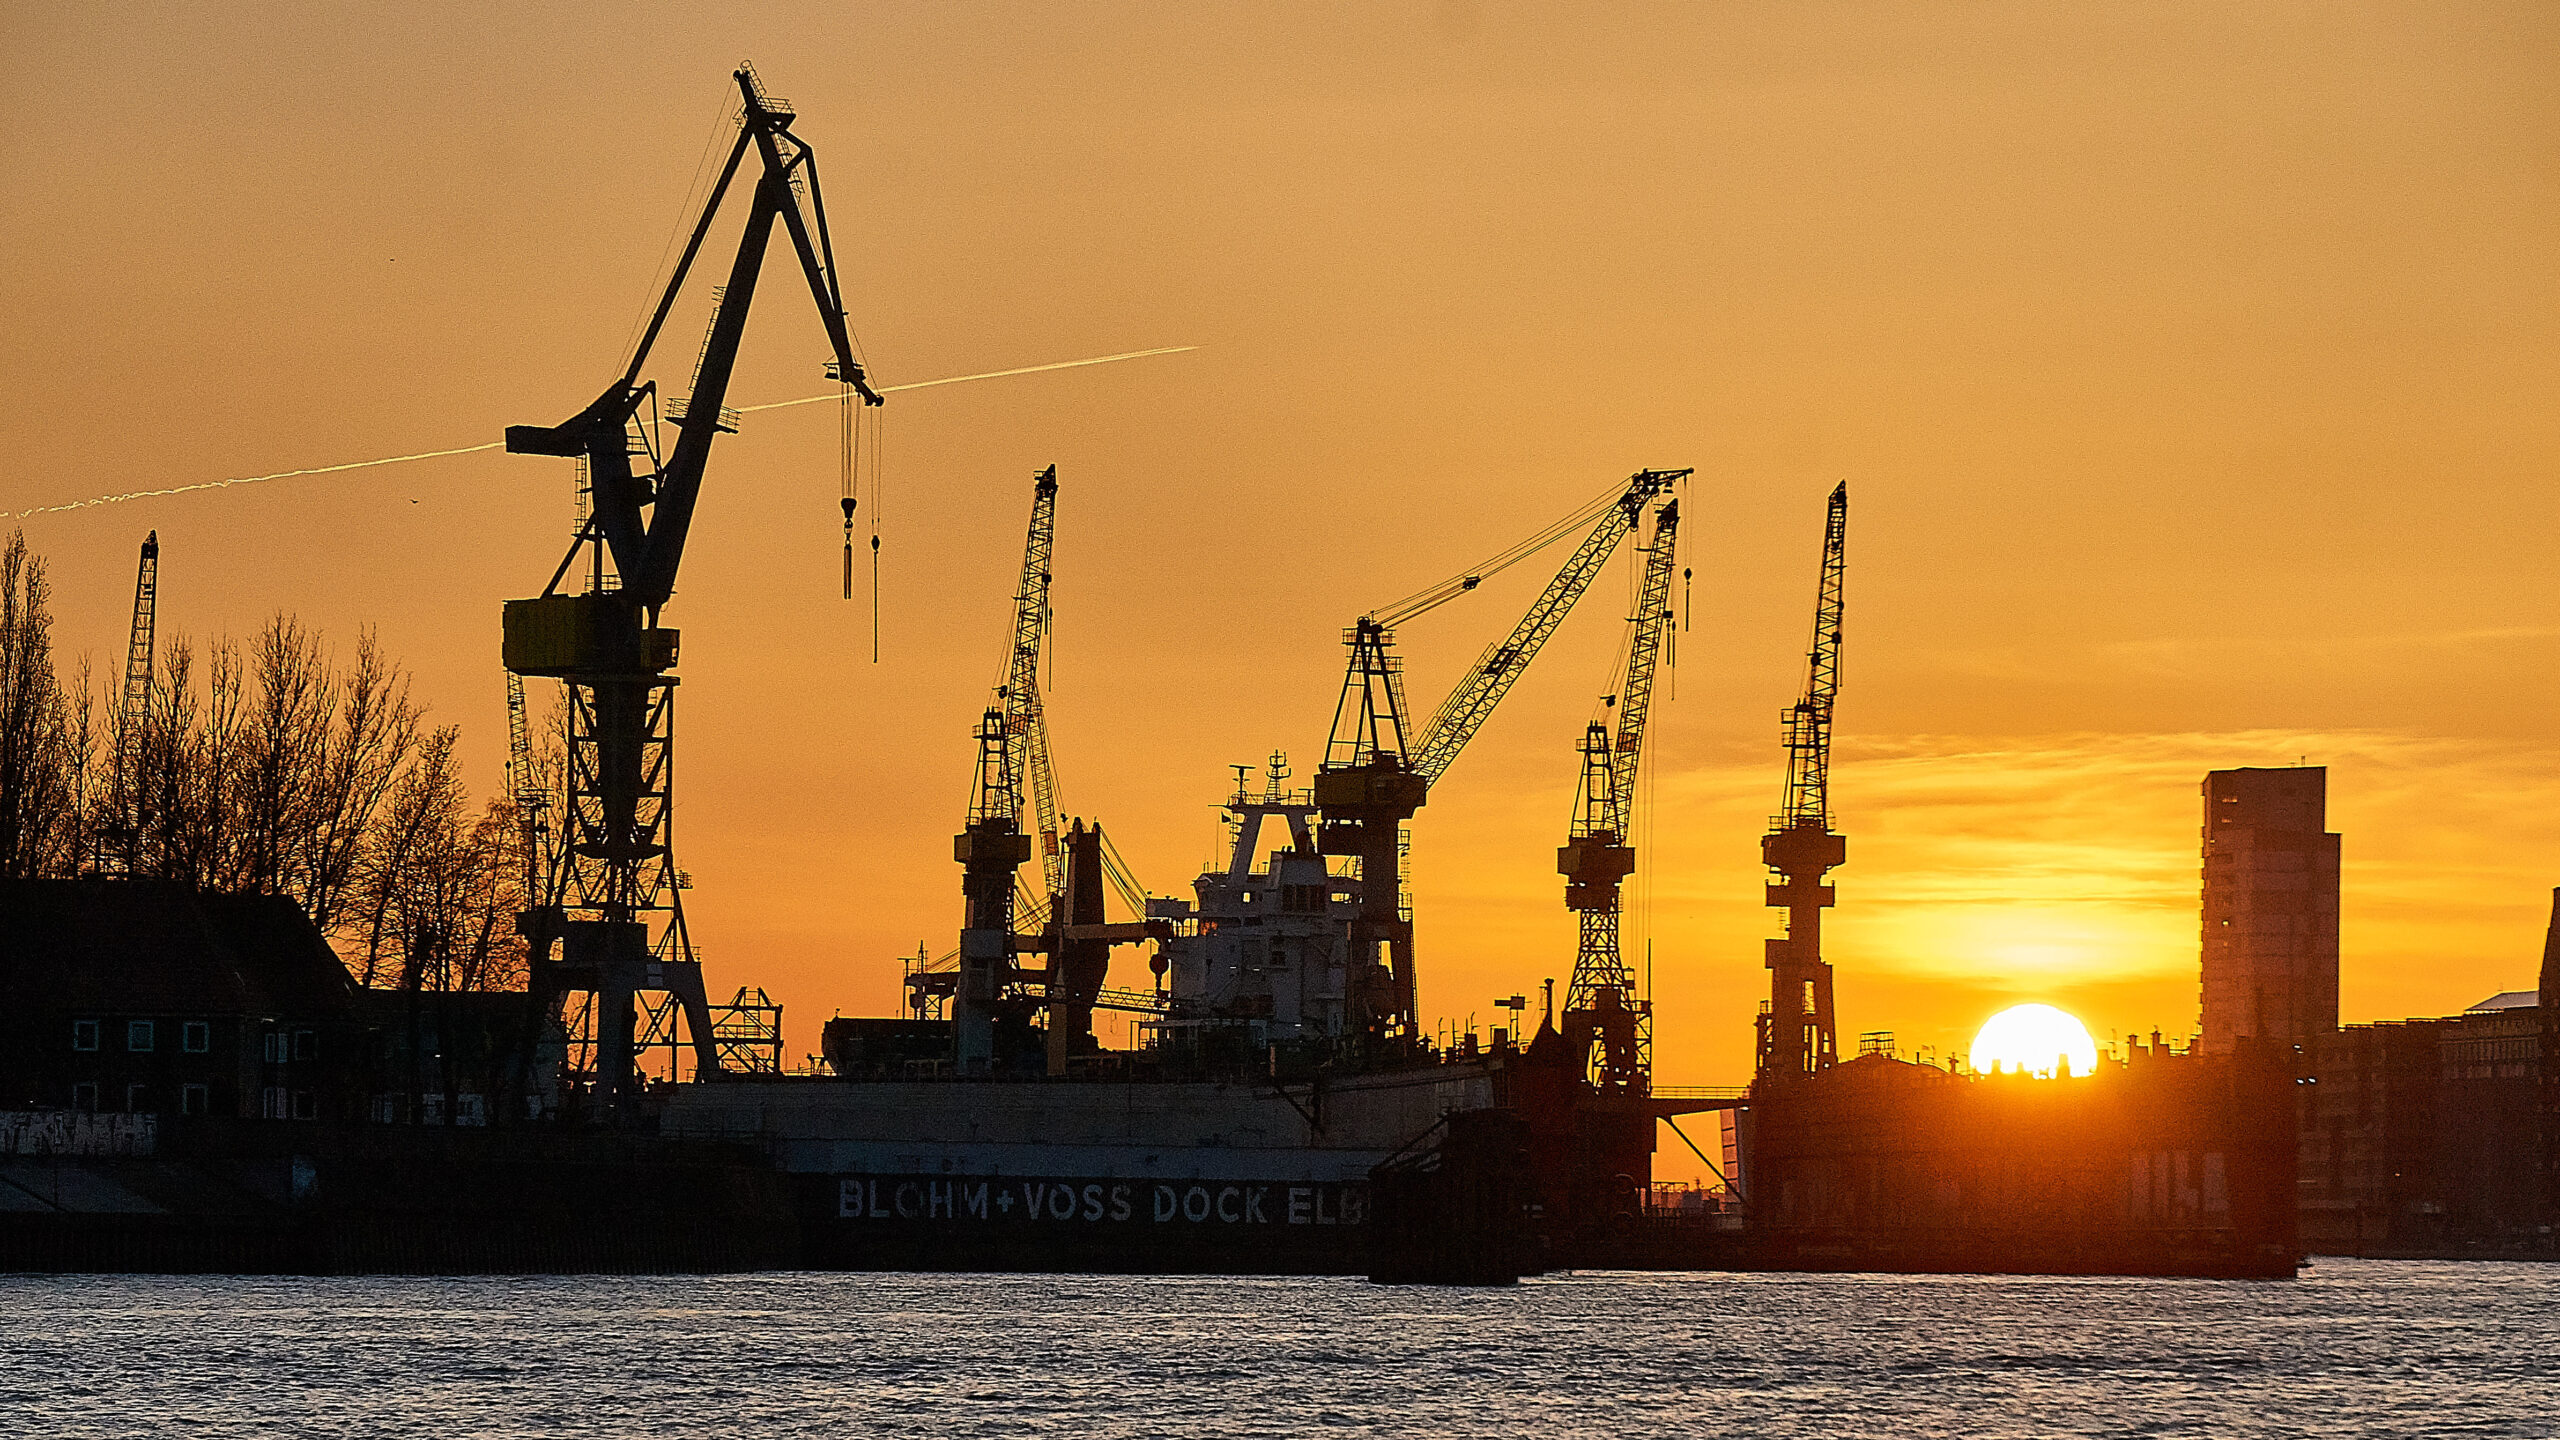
pixel 2270 907
pixel 2438 1136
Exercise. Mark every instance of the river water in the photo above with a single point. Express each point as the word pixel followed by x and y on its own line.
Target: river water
pixel 2352 1348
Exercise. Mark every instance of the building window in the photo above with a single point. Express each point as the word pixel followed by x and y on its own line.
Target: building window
pixel 306 1106
pixel 84 1034
pixel 271 1103
pixel 84 1097
pixel 194 1100
pixel 137 1034
pixel 137 1099
pixel 274 1047
pixel 305 1045
pixel 197 1037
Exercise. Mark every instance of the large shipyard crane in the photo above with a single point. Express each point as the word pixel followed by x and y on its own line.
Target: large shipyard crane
pixel 1373 780
pixel 1013 748
pixel 1017 781
pixel 616 882
pixel 1606 1020
pixel 1797 1034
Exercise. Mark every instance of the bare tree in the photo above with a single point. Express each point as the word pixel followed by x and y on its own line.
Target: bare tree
pixel 270 772
pixel 35 797
pixel 280 772
pixel 436 890
pixel 89 803
pixel 371 734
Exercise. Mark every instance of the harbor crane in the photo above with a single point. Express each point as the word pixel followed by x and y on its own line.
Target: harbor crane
pixel 611 906
pixel 121 840
pixel 1798 1036
pixel 1016 780
pixel 1375 776
pixel 1606 1021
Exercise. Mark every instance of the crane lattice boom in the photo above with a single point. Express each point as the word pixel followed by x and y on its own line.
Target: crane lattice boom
pixel 1026 725
pixel 122 848
pixel 1808 721
pixel 1473 701
pixel 1646 629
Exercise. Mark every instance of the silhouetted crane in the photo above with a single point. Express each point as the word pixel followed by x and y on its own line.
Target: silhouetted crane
pixel 1797 1033
pixel 1372 782
pixel 120 849
pixel 1026 725
pixel 607 643
pixel 1607 1022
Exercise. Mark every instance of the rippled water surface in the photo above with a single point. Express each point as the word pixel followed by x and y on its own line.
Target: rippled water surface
pixel 2353 1348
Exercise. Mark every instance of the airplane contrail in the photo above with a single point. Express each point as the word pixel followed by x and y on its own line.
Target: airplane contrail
pixel 982 375
pixel 123 496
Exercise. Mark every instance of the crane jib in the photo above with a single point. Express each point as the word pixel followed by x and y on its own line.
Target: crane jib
pixel 1476 696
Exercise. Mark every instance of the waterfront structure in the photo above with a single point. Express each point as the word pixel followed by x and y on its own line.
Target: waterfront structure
pixel 149 997
pixel 2161 1163
pixel 152 997
pixel 2438 1136
pixel 2270 937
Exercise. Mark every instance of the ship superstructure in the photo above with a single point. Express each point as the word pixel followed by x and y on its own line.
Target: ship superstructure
pixel 1262 957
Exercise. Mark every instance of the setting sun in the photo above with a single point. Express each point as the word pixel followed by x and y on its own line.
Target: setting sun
pixel 2034 1040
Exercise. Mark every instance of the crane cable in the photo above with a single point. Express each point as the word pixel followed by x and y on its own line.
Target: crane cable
pixel 1123 879
pixel 731 113
pixel 1432 596
pixel 844 474
pixel 879 425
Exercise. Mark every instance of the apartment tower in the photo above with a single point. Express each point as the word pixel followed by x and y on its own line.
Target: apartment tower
pixel 2270 907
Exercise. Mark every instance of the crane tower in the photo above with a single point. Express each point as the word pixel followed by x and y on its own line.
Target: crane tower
pixel 1797 1034
pixel 1013 755
pixel 611 904
pixel 1606 1020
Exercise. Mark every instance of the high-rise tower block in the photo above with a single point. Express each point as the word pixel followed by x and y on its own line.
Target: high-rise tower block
pixel 2270 907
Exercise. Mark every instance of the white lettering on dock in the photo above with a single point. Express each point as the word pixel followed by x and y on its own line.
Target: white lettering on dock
pixel 927 1199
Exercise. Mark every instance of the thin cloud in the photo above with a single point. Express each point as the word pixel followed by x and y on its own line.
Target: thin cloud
pixel 1999 857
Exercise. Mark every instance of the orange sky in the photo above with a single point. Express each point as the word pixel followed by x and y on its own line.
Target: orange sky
pixel 2191 367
